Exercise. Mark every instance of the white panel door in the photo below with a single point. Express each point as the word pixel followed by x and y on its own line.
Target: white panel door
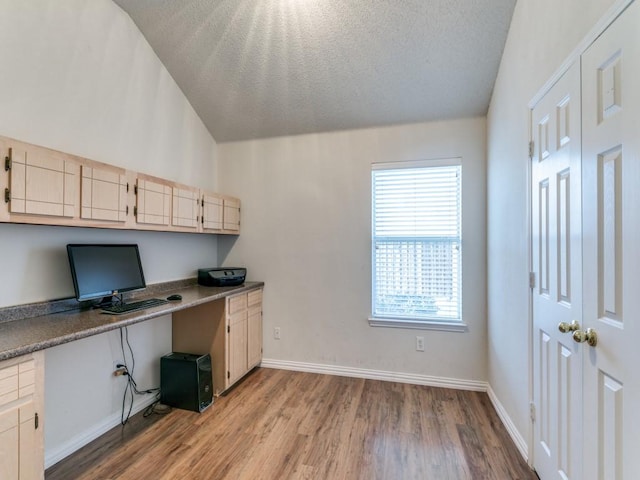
pixel 556 255
pixel 611 243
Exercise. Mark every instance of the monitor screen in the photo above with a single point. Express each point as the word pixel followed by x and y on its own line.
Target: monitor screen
pixel 104 270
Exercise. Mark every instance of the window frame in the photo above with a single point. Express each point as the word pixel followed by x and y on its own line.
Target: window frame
pixel 424 323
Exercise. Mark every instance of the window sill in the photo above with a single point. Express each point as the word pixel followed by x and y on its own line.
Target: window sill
pixel 442 326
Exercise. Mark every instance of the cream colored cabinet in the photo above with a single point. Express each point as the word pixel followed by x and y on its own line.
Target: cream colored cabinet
pixel 231 217
pixel 153 202
pixel 185 210
pixel 40 182
pixel 21 422
pixel 212 212
pixel 103 194
pixel 47 187
pixel 236 340
pixel 254 328
pixel 229 329
pixel 220 214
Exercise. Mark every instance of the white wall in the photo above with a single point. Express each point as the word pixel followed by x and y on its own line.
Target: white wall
pixel 78 76
pixel 306 231
pixel 542 34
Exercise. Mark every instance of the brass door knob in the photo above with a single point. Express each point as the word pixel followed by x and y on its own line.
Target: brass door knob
pixel 565 327
pixel 590 336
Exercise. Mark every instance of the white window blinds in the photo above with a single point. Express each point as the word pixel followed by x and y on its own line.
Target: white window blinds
pixel 416 242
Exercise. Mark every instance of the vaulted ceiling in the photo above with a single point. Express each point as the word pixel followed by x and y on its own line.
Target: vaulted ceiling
pixel 263 68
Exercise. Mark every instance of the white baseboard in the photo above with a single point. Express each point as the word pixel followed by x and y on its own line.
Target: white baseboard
pixel 415 379
pixel 515 435
pixel 75 443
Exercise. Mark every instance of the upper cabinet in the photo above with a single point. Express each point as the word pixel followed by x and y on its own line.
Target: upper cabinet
pixel 220 214
pixel 153 202
pixel 185 210
pixel 212 209
pixel 103 194
pixel 231 216
pixel 40 182
pixel 43 186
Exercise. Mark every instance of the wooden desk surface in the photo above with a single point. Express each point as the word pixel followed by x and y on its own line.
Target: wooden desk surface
pixel 26 335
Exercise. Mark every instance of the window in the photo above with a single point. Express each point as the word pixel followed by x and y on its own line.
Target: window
pixel 416 244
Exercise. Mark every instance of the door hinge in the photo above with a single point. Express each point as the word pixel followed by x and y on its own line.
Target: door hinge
pixel 135 211
pixel 36 421
pixel 532 280
pixel 228 374
pixel 531 147
pixel 7 195
pixel 532 411
pixel 7 160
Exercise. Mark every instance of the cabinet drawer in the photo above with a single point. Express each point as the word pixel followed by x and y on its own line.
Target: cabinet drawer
pixel 237 303
pixel 254 297
pixel 9 388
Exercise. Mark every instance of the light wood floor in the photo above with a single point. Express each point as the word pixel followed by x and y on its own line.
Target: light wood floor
pixel 287 425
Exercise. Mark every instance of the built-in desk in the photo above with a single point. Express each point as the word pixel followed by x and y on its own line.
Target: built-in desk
pixel 223 321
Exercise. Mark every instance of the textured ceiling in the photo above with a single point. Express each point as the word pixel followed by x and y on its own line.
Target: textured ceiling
pixel 264 68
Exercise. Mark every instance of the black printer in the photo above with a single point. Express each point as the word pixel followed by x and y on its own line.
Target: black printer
pixel 221 277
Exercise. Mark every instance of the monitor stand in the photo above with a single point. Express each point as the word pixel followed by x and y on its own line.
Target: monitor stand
pixel 105 302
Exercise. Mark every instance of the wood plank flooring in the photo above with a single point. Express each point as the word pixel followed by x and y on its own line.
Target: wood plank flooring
pixel 288 425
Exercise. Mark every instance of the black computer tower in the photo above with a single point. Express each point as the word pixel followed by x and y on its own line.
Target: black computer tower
pixel 185 381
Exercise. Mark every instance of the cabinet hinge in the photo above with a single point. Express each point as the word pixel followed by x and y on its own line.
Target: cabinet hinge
pixel 202 219
pixel 135 189
pixel 127 187
pixel 531 146
pixel 228 374
pixel 7 195
pixel 135 211
pixel 228 328
pixel 36 421
pixel 203 202
pixel 532 280
pixel 7 160
pixel 127 210
pixel 532 411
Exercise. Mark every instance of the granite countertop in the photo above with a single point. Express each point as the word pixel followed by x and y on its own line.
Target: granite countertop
pixel 25 329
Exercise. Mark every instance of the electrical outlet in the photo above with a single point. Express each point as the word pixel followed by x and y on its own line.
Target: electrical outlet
pixel 118 368
pixel 420 344
pixel 276 333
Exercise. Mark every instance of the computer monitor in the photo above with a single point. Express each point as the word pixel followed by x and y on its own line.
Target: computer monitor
pixel 102 271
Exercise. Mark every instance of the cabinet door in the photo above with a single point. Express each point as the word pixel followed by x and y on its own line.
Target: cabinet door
pixel 103 195
pixel 231 217
pixel 185 210
pixel 237 346
pixel 153 202
pixel 9 444
pixel 21 439
pixel 254 336
pixel 42 183
pixel 212 211
pixel 28 444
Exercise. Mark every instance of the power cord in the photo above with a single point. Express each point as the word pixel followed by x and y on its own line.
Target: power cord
pixel 131 388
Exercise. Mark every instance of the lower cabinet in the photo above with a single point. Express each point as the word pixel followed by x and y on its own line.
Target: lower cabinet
pixel 229 329
pixel 21 422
